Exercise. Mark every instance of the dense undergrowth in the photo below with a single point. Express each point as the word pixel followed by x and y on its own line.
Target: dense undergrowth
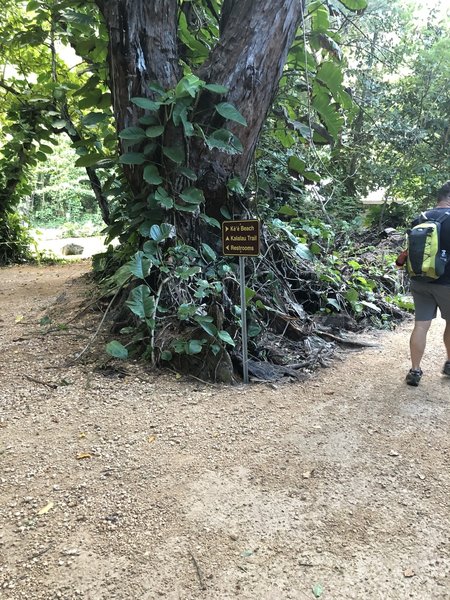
pixel 179 305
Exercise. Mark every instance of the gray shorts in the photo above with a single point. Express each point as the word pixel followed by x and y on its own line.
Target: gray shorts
pixel 428 297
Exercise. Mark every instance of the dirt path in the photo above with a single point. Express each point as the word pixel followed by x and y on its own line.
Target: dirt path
pixel 146 487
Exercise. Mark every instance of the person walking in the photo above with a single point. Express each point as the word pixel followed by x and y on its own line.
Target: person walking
pixel 428 296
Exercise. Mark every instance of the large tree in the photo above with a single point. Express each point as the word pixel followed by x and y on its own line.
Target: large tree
pixel 247 59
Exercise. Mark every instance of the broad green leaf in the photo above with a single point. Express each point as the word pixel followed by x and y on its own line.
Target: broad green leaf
pixel 210 220
pixel 94 118
pixel 234 185
pixel 189 85
pixel 151 175
pixel 116 349
pixel 166 355
pixel 187 125
pixel 354 264
pixel 186 273
pixel 334 303
pixel 154 131
pixel 163 198
pixel 194 346
pixel 229 112
pixel 352 295
pixel 208 252
pixel 296 164
pixel 192 195
pixel 46 149
pixel 210 328
pixel 287 210
pixel 132 158
pixel 224 140
pixel 354 4
pixel 88 160
pixel 216 89
pixel 188 173
pixel 159 233
pixel 200 51
pixel 332 76
pixel 132 133
pixel 253 330
pixel 191 208
pixel 139 265
pixel 371 305
pixel 249 294
pixel 140 302
pixel 303 251
pixel 226 337
pixel 146 103
pixel 332 119
pixel 312 176
pixel 180 108
pixel 186 311
pixel 320 19
pixel 175 153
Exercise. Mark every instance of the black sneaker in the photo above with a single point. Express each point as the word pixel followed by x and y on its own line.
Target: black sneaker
pixel 414 375
pixel 446 368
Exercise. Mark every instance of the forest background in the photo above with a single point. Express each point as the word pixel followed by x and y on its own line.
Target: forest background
pixel 362 105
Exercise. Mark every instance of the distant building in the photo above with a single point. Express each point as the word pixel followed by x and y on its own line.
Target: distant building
pixel 375 197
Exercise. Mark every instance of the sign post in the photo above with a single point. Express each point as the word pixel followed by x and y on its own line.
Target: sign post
pixel 241 238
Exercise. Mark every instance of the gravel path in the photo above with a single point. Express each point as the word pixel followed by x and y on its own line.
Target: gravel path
pixel 145 486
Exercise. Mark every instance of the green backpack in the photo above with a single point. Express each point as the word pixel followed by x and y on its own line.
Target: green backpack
pixel 426 260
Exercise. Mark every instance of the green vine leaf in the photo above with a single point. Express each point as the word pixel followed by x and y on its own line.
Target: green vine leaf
pixel 229 112
pixel 151 175
pixel 140 302
pixel 192 195
pixel 226 337
pixel 146 103
pixel 154 131
pixel 139 265
pixel 132 158
pixel 116 350
pixel 135 134
pixel 176 154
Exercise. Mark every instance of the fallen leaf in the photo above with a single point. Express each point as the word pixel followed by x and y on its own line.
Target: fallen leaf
pixel 19 318
pixel 317 591
pixel 177 376
pixel 151 438
pixel 82 435
pixel 82 455
pixel 408 573
pixel 44 510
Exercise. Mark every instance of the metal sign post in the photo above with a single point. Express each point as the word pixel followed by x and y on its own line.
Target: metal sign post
pixel 243 319
pixel 241 238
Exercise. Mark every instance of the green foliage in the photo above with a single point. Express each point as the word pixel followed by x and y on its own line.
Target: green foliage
pixel 16 244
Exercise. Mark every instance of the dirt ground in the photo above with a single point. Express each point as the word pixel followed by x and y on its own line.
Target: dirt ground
pixel 149 486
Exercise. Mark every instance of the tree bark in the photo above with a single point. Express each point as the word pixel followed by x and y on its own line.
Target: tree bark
pixel 255 36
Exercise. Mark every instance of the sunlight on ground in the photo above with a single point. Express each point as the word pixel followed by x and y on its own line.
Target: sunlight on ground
pixel 50 242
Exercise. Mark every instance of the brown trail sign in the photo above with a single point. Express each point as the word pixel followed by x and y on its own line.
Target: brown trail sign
pixel 240 238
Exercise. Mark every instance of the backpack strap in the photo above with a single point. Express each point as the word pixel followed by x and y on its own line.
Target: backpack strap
pixel 423 217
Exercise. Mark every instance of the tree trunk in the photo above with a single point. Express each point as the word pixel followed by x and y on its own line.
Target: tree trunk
pixel 255 36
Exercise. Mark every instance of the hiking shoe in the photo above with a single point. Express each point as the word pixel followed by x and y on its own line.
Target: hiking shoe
pixel 446 368
pixel 414 375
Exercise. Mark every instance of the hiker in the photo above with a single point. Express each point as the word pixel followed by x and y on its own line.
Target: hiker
pixel 430 295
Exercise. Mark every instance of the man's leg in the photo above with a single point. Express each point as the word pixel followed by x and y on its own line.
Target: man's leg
pixel 418 342
pixel 447 338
